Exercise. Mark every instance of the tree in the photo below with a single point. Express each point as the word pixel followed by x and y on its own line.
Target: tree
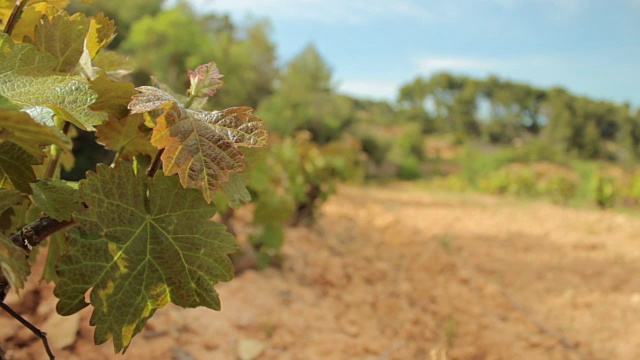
pixel 304 99
pixel 246 54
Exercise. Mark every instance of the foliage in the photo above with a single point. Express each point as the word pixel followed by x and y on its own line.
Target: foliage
pixel 536 179
pixel 137 238
pixel 291 180
pixel 246 54
pixel 304 100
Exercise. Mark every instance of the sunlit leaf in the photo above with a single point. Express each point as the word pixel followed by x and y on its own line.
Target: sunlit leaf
pixel 15 167
pixel 26 24
pixel 28 79
pixel 63 37
pixel 151 98
pixel 101 31
pixel 142 243
pixel 236 124
pixel 56 198
pixel 114 64
pixel 205 80
pixel 200 146
pixel 19 128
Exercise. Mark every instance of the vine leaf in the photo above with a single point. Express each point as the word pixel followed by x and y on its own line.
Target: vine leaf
pixel 63 37
pixel 205 80
pixel 128 135
pixel 13 263
pixel 113 97
pixel 56 198
pixel 19 128
pixel 15 167
pixel 142 243
pixel 28 79
pixel 200 146
pixel 8 198
pixel 151 98
pixel 101 32
pixel 236 190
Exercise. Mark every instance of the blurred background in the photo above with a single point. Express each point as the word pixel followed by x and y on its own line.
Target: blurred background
pixel 444 180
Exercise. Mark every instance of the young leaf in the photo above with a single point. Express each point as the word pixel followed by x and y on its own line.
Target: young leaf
pixel 200 146
pixel 22 130
pixel 15 167
pixel 63 37
pixel 13 263
pixel 202 157
pixel 27 78
pixel 151 98
pixel 101 31
pixel 56 198
pixel 142 243
pixel 128 135
pixel 205 80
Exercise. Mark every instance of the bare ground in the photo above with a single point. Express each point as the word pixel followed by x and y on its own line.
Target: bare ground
pixel 400 273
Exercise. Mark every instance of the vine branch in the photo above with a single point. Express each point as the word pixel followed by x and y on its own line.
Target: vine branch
pixel 29 236
pixel 26 238
pixel 37 332
pixel 15 15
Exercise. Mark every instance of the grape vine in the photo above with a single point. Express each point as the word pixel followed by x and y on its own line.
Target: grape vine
pixel 136 234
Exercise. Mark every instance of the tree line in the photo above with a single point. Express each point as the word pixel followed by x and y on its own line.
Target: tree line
pixel 302 94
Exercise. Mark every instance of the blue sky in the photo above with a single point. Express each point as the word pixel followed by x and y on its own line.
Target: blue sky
pixel 591 47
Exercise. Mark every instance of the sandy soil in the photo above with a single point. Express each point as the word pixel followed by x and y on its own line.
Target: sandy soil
pixel 400 273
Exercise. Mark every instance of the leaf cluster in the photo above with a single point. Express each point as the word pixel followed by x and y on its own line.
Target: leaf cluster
pixel 136 236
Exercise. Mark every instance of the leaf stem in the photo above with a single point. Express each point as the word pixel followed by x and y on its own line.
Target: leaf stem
pixel 52 166
pixel 15 15
pixel 190 101
pixel 37 332
pixel 155 164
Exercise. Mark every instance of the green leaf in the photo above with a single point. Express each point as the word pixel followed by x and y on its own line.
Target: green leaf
pixel 28 79
pixel 15 167
pixel 113 97
pixel 114 64
pixel 13 263
pixel 141 244
pixel 8 198
pixel 56 198
pixel 19 128
pixel 63 37
pixel 128 135
pixel 57 247
pixel 236 190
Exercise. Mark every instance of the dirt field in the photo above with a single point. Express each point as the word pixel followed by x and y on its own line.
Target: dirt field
pixel 399 273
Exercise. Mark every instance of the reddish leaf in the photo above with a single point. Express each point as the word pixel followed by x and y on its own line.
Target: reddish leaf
pixel 205 80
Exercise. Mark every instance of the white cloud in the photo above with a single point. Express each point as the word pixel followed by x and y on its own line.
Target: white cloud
pixel 372 89
pixel 327 11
